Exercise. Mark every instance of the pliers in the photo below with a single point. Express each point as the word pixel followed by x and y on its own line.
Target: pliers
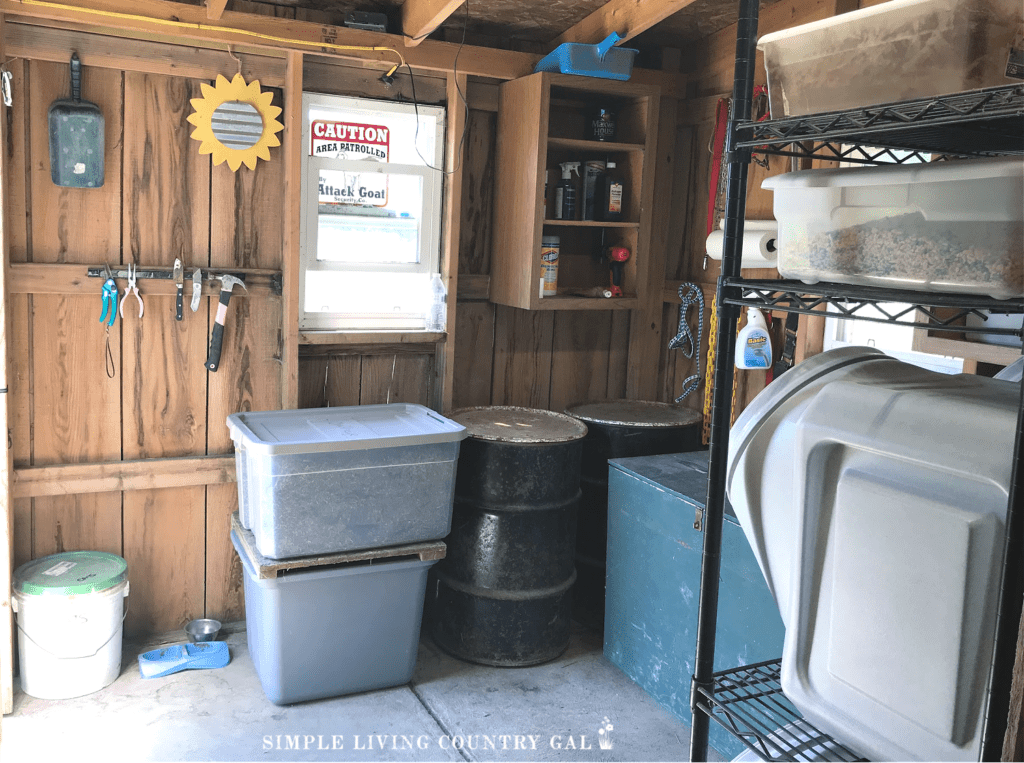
pixel 109 298
pixel 133 274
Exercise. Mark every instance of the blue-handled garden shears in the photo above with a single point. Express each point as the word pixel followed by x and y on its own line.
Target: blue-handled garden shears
pixel 109 298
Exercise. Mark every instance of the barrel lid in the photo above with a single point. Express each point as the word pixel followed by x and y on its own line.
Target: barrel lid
pixel 69 573
pixel 502 423
pixel 635 413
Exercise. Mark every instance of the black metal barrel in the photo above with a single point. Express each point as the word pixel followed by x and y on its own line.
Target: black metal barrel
pixel 617 429
pixel 502 595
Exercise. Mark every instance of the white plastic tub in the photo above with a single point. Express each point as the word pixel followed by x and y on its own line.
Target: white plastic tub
pixel 954 226
pixel 70 610
pixel 874 495
pixel 326 480
pixel 895 51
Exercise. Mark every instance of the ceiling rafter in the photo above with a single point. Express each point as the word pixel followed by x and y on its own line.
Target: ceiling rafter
pixel 421 17
pixel 627 17
pixel 215 8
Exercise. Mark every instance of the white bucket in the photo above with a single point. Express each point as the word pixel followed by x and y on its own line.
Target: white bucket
pixel 70 645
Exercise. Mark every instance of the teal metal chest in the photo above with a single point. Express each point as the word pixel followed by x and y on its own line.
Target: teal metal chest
pixel 653 584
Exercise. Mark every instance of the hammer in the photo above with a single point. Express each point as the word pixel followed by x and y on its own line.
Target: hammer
pixel 227 283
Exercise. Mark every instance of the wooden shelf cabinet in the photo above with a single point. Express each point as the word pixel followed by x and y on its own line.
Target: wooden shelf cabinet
pixel 541 122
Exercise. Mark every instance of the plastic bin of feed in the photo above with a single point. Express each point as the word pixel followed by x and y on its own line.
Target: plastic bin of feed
pixel 945 226
pixel 324 480
pixel 896 51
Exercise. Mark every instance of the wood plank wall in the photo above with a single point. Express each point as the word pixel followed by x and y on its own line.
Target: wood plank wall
pixel 712 67
pixel 160 200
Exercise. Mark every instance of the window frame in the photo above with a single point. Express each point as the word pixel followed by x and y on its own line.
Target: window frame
pixel 431 219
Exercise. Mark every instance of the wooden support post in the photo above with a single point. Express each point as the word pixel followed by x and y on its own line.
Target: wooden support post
pixel 444 357
pixel 6 512
pixel 291 265
pixel 645 326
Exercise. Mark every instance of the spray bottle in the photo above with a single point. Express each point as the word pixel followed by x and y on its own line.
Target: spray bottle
pixel 754 344
pixel 565 192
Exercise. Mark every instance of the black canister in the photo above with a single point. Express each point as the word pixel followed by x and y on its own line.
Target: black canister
pixel 602 123
pixel 617 429
pixel 502 595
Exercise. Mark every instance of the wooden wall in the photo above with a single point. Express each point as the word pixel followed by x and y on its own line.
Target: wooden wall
pixel 711 65
pixel 160 200
pixel 507 356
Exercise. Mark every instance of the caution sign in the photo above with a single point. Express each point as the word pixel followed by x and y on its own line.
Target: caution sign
pixel 352 140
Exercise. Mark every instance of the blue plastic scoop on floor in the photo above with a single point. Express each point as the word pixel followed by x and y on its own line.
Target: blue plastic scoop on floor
pixel 171 659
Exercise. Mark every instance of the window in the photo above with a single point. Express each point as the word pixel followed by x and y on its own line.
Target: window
pixel 891 338
pixel 371 213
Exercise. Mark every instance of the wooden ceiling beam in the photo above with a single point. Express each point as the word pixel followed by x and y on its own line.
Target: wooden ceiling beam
pixel 627 17
pixel 176 23
pixel 215 8
pixel 421 17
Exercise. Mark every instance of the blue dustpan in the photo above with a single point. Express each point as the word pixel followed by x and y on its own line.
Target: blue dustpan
pixel 603 60
pixel 172 659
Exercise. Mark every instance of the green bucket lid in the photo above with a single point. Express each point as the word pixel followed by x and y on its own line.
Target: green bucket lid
pixel 73 572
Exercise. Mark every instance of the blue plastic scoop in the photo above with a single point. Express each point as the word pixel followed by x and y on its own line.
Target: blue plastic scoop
pixel 603 60
pixel 172 659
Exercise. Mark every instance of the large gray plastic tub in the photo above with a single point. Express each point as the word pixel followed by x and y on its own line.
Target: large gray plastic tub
pixel 326 480
pixel 328 631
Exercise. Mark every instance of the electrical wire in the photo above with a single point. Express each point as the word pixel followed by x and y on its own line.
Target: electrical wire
pixel 462 96
pixel 215 28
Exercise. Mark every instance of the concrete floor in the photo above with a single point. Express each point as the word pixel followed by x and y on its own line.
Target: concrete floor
pixel 549 712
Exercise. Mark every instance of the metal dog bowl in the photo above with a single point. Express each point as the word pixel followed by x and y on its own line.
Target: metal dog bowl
pixel 202 630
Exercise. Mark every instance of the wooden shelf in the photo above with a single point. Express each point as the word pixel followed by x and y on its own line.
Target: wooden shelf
pixel 588 224
pixel 586 303
pixel 541 121
pixel 594 146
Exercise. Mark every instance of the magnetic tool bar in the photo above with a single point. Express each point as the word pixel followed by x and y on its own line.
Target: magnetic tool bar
pixel 167 274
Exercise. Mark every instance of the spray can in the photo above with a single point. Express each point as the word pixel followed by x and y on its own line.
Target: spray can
pixel 753 343
pixel 549 246
pixel 592 171
pixel 565 192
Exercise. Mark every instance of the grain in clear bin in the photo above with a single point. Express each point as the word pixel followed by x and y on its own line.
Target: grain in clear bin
pixel 896 51
pixel 952 226
pixel 325 480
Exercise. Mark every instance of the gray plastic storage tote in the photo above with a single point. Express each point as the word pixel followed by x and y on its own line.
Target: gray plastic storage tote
pixel 326 480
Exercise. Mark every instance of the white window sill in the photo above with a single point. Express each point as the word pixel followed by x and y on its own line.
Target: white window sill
pixel 370 337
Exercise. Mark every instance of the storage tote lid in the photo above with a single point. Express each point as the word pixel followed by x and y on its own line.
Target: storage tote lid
pixel 70 573
pixel 928 172
pixel 327 430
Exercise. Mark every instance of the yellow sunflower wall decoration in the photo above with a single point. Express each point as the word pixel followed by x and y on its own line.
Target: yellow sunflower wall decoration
pixel 235 122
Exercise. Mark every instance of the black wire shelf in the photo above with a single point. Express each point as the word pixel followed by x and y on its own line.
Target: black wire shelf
pixel 987 122
pixel 749 703
pixel 914 308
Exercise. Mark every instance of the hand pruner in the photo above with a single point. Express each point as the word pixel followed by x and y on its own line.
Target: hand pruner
pixel 109 298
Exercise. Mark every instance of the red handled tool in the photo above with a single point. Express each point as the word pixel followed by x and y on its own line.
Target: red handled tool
pixel 617 256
